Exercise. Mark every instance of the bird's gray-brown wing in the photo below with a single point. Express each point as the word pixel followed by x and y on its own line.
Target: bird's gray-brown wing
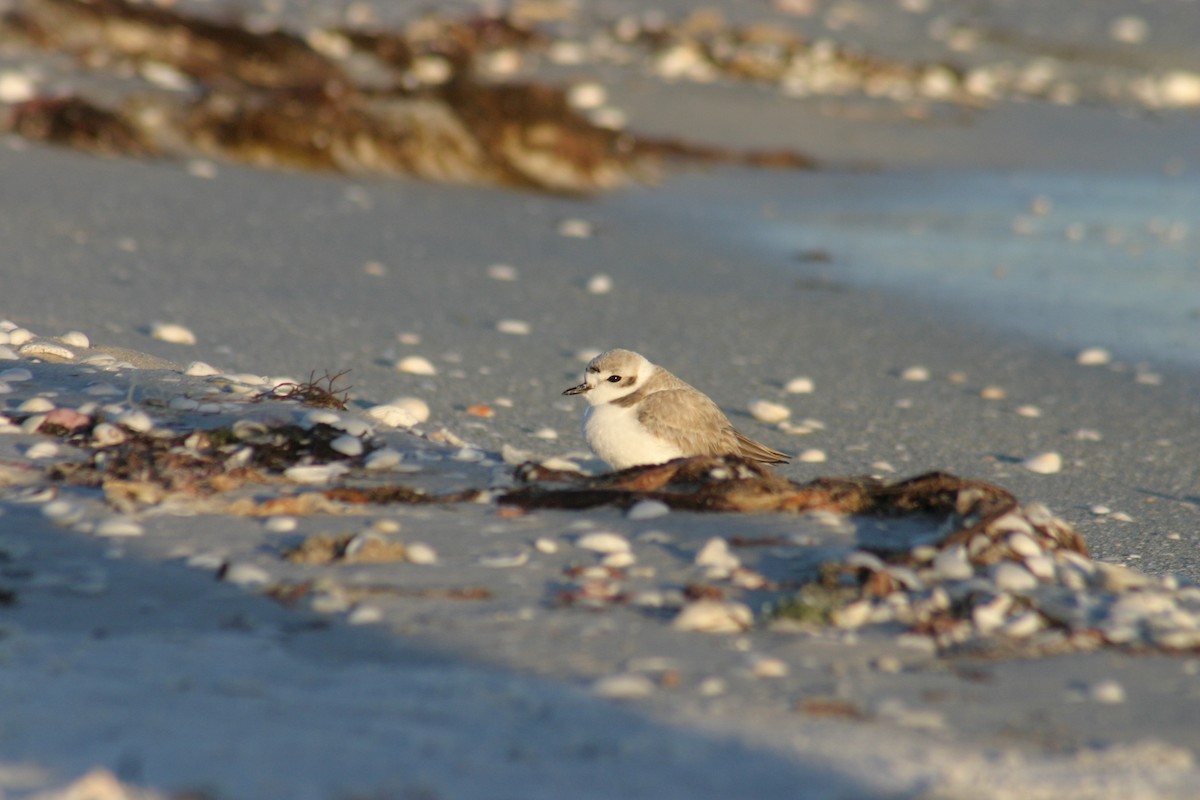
pixel 690 420
pixel 757 451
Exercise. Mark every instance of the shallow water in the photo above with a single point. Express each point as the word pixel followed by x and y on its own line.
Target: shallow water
pixel 1072 259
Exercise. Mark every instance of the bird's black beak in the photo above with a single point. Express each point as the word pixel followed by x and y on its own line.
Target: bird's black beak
pixel 580 389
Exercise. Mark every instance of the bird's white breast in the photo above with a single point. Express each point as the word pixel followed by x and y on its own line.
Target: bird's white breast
pixel 615 435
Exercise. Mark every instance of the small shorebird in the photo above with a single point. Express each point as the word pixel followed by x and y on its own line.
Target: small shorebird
pixel 641 414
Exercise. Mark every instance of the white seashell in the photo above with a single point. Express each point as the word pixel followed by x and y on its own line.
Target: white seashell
pixel 767 411
pixel 1129 29
pixel 39 450
pixel 36 405
pixel 575 229
pixel 992 393
pixel 415 406
pixel 516 327
pixel 62 512
pixel 623 686
pixel 315 474
pixel 1009 576
pixel 619 560
pixel 1093 357
pixel 16 375
pixel 545 433
pixel 716 557
pixel 989 616
pixel 469 454
pixel 281 524
pixel 350 446
pixel 20 336
pixel 319 416
pixel 648 509
pixel 16 87
pixel 603 542
pixel 599 284
pixel 107 435
pixel 505 560
pixel 1022 626
pixel 416 365
pixel 801 385
pixel 1179 88
pixel 135 420
pixel 1109 692
pixel 181 403
pixel 44 349
pixel 365 615
pixel 118 527
pixel 7 353
pixel 1041 566
pixel 200 369
pixel 1030 411
pixel 852 615
pixel 545 545
pixel 768 667
pixel 502 272
pixel 420 553
pixel 353 426
pixel 915 374
pixel 812 456
pixel 586 96
pixel 384 458
pixel 243 574
pixel 393 416
pixel 1046 463
pixel 1024 545
pixel 171 332
pixel 714 616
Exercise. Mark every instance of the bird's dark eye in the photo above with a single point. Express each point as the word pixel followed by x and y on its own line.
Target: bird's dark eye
pixel 614 378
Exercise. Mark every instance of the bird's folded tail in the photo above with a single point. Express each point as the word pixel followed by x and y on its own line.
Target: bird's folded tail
pixel 756 451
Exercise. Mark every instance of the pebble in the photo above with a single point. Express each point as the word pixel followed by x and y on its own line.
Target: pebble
pixel 1046 463
pixel 199 369
pixel 767 411
pixel 714 616
pixel 315 474
pixel 171 332
pixel 350 446
pixel 1093 357
pixel 648 509
pixel 416 365
pixel 243 574
pixel 118 526
pixel 599 284
pixel 800 385
pixel 915 374
pixel 502 272
pixel 514 327
pixel 603 542
pixel 623 686
pixel 420 553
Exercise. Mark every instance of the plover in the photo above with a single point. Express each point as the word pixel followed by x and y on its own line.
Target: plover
pixel 641 414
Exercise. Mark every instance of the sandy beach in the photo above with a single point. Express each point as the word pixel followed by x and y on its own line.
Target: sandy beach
pixel 936 281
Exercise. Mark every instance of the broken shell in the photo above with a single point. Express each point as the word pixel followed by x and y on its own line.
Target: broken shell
pixel 171 332
pixel 416 365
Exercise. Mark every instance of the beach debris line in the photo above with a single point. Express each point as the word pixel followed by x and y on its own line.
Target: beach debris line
pixel 418 102
pixel 959 562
